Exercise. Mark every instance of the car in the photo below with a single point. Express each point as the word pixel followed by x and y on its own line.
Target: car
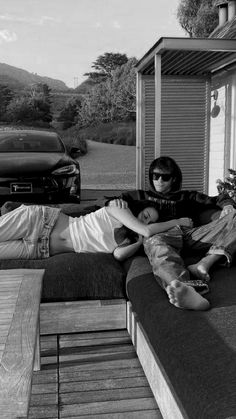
pixel 36 164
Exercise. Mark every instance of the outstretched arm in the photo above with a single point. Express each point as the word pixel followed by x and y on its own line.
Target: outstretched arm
pixel 126 217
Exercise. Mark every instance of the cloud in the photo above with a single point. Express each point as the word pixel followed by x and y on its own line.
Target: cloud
pixel 50 19
pixel 7 36
pixel 32 21
pixel 116 25
pixel 98 25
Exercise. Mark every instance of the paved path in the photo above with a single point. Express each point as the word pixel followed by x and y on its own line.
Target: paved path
pixel 108 166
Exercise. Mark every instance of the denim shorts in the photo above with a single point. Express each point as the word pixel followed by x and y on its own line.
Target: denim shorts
pixel 25 232
pixel 46 225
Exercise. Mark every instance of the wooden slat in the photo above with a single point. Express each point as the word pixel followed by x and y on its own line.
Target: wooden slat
pixel 18 356
pixel 104 383
pixel 44 395
pixel 140 414
pixel 102 378
pixel 109 388
pixel 43 412
pixel 105 395
pixel 85 339
pixel 111 406
pixel 104 353
pixel 70 369
pixel 82 316
pixel 102 374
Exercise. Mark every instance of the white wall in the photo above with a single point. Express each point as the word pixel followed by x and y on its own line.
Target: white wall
pixel 217 144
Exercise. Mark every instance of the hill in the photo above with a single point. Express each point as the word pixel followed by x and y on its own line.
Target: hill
pixel 84 87
pixel 17 78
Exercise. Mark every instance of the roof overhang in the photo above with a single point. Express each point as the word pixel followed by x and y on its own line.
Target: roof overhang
pixel 189 56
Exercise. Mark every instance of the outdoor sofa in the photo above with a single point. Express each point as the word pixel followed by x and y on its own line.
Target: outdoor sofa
pixel 188 357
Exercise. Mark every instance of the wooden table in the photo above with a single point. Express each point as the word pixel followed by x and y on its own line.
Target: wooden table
pixel 20 294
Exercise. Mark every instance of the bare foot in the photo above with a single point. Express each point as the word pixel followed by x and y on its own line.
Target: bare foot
pixel 184 296
pixel 200 271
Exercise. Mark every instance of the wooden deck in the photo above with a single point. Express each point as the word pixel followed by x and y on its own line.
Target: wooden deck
pixel 91 375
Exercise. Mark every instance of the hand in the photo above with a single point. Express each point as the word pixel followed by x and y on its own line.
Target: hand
pixel 119 203
pixel 185 221
pixel 226 210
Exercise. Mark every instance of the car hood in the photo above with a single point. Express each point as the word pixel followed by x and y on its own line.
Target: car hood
pixel 23 163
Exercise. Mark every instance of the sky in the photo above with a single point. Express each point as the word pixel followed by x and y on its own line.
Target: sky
pixel 62 38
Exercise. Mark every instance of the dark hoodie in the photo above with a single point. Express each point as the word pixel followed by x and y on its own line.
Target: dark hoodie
pixel 183 203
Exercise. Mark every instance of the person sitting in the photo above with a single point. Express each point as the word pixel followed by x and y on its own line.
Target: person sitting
pixel 164 249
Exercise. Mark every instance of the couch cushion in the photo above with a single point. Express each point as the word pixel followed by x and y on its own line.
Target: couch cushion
pixel 72 276
pixel 196 349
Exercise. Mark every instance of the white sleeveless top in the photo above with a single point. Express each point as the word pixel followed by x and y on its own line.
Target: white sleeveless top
pixel 94 232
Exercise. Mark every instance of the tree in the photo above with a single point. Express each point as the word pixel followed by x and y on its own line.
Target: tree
pixel 123 87
pixel 105 64
pixel 96 106
pixel 40 97
pixel 198 17
pixel 112 99
pixel 33 106
pixel 6 96
pixel 40 90
pixel 20 109
pixel 69 114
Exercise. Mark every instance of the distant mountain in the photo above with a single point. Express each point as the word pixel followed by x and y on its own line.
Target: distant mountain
pixel 85 86
pixel 16 78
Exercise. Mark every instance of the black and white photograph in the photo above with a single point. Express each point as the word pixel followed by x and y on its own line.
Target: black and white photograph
pixel 117 209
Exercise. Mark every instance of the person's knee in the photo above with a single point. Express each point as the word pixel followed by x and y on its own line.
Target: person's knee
pixel 155 241
pixel 9 206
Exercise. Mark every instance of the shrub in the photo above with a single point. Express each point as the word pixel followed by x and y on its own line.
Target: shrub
pixel 112 133
pixel 71 138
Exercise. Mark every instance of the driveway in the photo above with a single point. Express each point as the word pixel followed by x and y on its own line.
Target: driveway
pixel 108 166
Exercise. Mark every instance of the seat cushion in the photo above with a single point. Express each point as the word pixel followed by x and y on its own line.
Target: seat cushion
pixel 196 349
pixel 71 276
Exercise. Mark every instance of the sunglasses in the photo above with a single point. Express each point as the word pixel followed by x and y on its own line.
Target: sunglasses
pixel 165 176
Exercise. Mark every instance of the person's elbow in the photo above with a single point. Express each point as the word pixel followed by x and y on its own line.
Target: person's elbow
pixel 119 256
pixel 147 232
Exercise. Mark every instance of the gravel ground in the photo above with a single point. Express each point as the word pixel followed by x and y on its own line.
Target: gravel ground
pixel 108 166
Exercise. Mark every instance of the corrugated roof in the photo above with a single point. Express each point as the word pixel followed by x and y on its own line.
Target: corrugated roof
pixel 220 2
pixel 228 30
pixel 189 56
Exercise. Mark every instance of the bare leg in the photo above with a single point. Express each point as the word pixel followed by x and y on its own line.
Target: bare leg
pixel 185 296
pixel 201 269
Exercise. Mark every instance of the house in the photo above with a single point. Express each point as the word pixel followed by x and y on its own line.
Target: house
pixel 186 104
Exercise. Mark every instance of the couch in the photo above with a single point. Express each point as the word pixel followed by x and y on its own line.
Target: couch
pixel 188 357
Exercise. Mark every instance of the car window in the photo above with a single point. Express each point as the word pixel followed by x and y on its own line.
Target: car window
pixel 30 143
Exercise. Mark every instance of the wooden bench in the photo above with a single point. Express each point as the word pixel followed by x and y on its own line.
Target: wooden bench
pixel 20 293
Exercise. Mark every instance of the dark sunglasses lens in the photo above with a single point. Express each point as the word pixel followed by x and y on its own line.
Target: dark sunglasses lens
pixel 165 177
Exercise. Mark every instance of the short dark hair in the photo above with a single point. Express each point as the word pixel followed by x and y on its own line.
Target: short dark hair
pixel 166 163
